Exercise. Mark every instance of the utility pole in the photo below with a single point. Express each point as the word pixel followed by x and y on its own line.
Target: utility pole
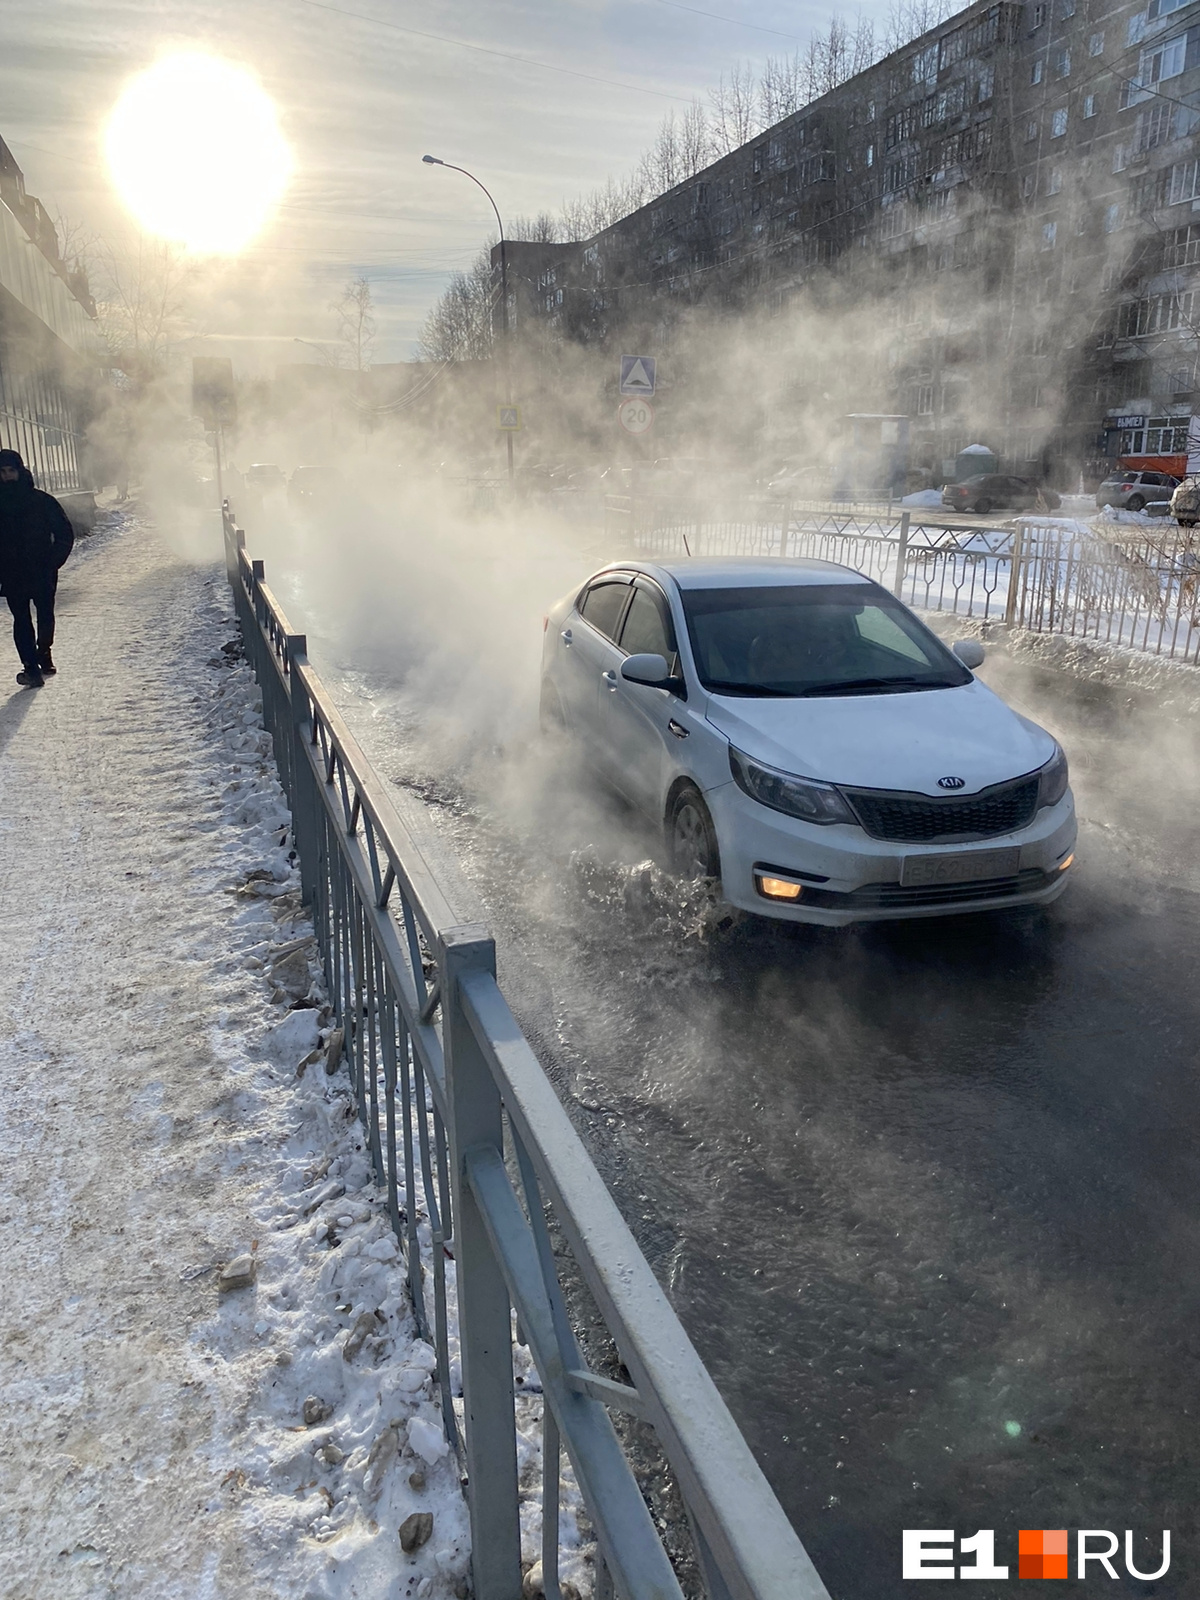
pixel 435 161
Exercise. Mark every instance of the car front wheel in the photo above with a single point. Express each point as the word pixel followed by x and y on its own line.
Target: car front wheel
pixel 691 838
pixel 982 507
pixel 1134 503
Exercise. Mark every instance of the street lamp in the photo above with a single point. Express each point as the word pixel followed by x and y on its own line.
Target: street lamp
pixel 435 161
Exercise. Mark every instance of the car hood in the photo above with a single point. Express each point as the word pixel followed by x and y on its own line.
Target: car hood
pixel 888 741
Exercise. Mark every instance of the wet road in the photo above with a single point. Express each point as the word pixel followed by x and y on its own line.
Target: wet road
pixel 926 1196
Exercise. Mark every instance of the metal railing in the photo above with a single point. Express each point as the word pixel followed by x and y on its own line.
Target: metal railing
pixel 1134 588
pixel 938 567
pixel 483 1170
pixel 1137 588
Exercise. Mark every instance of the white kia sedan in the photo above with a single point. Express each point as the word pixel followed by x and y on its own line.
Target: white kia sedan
pixel 804 739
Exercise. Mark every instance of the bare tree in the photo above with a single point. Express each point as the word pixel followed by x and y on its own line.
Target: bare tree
pixel 459 328
pixel 356 323
pixel 782 88
pixel 142 309
pixel 542 229
pixel 734 115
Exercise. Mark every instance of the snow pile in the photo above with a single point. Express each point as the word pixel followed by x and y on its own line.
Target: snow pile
pixel 923 497
pixel 339 1464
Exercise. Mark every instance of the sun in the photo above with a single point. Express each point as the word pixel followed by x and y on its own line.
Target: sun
pixel 194 149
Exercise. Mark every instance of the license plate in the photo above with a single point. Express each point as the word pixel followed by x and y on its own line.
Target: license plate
pixel 965 867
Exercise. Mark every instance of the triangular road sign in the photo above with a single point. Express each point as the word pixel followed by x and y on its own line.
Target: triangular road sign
pixel 637 375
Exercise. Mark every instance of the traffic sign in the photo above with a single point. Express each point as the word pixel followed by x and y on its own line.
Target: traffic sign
pixel 508 419
pixel 635 416
pixel 637 375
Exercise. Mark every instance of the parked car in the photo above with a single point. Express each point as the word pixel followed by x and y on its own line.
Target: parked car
pixel 1133 491
pixel 804 739
pixel 994 491
pixel 264 475
pixel 1185 503
pixel 309 485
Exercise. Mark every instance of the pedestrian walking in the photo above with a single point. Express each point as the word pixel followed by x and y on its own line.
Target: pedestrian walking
pixel 35 539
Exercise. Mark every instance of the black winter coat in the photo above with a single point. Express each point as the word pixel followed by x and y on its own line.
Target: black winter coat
pixel 36 536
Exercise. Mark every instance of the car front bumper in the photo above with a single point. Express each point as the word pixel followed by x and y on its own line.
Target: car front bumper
pixel 846 876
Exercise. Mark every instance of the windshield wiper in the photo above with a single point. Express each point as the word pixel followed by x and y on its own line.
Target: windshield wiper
pixel 878 685
pixel 720 686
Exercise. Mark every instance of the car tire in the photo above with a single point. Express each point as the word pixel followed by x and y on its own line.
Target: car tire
pixel 982 507
pixel 691 838
pixel 1186 522
pixel 1135 503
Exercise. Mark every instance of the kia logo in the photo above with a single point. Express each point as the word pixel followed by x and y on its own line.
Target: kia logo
pixel 952 783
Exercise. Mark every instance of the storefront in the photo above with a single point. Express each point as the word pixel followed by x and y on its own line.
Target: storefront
pixel 1150 444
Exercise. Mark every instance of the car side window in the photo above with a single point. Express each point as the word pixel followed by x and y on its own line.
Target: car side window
pixel 647 629
pixel 602 606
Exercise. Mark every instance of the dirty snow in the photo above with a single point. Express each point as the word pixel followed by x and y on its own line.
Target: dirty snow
pixel 169 1132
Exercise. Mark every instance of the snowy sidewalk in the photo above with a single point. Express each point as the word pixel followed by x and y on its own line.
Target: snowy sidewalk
pixel 156 1122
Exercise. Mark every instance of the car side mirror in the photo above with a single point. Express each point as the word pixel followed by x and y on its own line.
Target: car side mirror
pixel 970 652
pixel 650 669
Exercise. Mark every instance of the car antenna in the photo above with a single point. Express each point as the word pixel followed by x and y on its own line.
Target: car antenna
pixel 686 545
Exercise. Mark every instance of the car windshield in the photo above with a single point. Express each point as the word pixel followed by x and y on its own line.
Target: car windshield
pixel 813 640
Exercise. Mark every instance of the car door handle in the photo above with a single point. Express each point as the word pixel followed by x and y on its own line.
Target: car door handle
pixel 565 636
pixel 677 729
pixel 610 678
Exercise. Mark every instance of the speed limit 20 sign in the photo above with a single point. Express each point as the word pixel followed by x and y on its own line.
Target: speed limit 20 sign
pixel 635 416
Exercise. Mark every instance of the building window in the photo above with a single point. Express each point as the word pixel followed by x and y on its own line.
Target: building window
pixel 1164 8
pixel 1136 28
pixel 987 84
pixel 1062 63
pixel 1153 127
pixel 1089 105
pixel 1067 8
pixel 1058 123
pixel 1037 15
pixel 1035 72
pixel 1031 131
pixel 1183 247
pixel 1157 65
pixel 1112 219
pixel 1049 235
pixel 1184 182
pixel 1055 182
pixel 1120 158
pixel 1096 45
pixel 870 157
pixel 925 400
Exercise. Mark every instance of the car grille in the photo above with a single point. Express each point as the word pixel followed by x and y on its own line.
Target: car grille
pixel 917 819
pixel 880 896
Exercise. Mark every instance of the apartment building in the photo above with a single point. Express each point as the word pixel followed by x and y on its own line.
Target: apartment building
pixel 1009 199
pixel 51 356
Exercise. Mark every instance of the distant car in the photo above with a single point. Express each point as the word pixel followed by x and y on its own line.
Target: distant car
pixel 1185 503
pixel 804 739
pixel 1133 491
pixel 308 484
pixel 994 491
pixel 264 476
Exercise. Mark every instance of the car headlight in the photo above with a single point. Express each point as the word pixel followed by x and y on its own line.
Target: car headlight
pixel 805 798
pixel 1053 779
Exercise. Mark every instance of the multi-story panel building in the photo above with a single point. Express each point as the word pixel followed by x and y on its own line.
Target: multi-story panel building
pixel 1007 202
pixel 51 355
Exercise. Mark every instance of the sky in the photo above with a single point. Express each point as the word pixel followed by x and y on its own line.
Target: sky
pixel 541 100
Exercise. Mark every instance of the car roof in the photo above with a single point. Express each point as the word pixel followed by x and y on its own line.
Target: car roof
pixel 750 572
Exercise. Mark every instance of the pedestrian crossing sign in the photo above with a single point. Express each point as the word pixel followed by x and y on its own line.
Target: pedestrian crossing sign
pixel 508 419
pixel 637 375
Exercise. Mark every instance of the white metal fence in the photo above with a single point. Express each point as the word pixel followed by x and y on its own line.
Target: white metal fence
pixel 1130 586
